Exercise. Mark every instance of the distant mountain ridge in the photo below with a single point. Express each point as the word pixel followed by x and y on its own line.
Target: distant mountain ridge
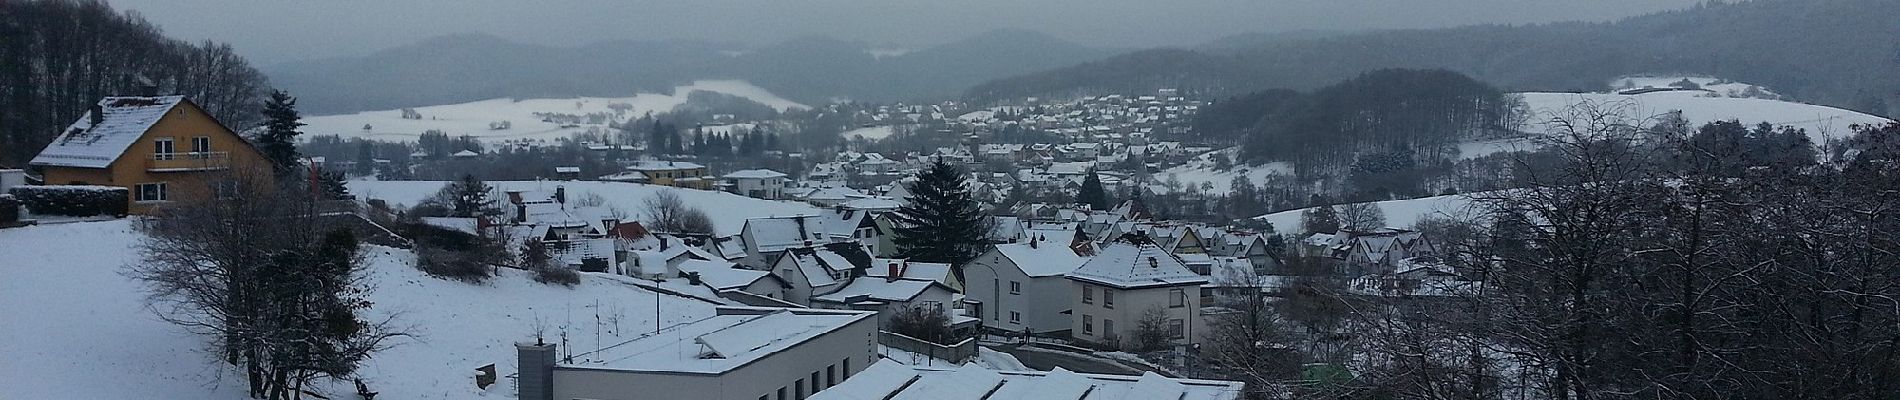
pixel 814 70
pixel 1844 53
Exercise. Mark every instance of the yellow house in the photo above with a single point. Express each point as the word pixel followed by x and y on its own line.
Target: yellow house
pixel 161 149
pixel 674 173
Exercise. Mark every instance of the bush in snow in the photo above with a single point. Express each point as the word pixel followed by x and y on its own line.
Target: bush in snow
pixel 557 275
pixel 450 264
pixel 9 209
pixel 72 200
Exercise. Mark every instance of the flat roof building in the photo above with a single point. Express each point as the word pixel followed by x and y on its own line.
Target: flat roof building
pixel 741 353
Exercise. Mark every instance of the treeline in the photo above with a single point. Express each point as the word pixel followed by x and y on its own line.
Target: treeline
pixel 58 57
pixel 1718 262
pixel 1834 52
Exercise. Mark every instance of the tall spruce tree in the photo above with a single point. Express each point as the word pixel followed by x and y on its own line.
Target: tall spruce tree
pixel 942 222
pixel 278 142
pixel 1092 192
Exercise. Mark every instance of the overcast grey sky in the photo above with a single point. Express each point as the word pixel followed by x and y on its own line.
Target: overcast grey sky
pixel 271 31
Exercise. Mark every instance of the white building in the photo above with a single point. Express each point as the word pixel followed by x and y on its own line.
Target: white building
pixel 1126 280
pixel 1024 286
pixel 757 183
pixel 742 353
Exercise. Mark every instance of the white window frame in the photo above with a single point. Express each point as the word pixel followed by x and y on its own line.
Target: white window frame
pixel 1177 328
pixel 195 140
pixel 1015 287
pixel 1108 298
pixel 1015 317
pixel 162 190
pixel 1177 298
pixel 1088 324
pixel 164 148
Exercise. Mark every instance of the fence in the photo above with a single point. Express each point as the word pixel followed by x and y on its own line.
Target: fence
pixel 957 353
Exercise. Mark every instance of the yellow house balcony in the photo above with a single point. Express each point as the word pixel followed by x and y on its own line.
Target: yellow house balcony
pixel 188 162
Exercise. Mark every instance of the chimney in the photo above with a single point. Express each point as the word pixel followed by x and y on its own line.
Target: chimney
pixel 663 244
pixel 895 272
pixel 97 114
pixel 536 364
pixel 560 194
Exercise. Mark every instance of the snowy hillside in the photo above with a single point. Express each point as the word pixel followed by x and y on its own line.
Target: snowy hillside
pixel 1201 170
pixel 527 118
pixel 1398 213
pixel 1716 101
pixel 728 211
pixel 82 330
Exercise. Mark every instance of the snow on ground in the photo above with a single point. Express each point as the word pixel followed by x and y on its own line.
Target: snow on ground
pixel 1718 102
pixel 1715 87
pixel 1201 169
pixel 1821 122
pixel 728 211
pixel 1398 213
pixel 474 118
pixel 872 133
pixel 82 331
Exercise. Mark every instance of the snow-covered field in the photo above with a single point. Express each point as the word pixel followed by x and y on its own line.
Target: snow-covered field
pixel 728 211
pixel 79 329
pixel 1398 213
pixel 474 118
pixel 1201 170
pixel 1821 122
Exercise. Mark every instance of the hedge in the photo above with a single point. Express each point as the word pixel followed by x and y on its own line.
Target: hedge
pixel 9 209
pixel 73 200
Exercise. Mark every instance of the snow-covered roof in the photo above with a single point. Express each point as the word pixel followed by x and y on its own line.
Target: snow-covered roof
pixel 873 204
pixel 1130 265
pixel 754 174
pixel 772 234
pixel 649 165
pixel 880 268
pixel 891 380
pixel 880 289
pixel 1045 258
pixel 122 121
pixel 722 342
pixel 721 274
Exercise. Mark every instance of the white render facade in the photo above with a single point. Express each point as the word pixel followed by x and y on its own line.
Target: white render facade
pixel 834 345
pixel 1098 320
pixel 1007 299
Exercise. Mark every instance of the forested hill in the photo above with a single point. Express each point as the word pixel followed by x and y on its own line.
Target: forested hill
pixel 812 70
pixel 58 57
pixel 1844 53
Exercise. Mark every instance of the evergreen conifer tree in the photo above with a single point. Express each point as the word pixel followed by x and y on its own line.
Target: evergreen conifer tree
pixel 942 222
pixel 279 140
pixel 1092 193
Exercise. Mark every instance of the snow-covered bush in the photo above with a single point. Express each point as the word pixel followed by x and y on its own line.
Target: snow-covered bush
pixel 72 200
pixel 9 209
pixel 557 275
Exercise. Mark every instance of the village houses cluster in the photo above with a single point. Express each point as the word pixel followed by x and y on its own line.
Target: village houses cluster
pixel 817 292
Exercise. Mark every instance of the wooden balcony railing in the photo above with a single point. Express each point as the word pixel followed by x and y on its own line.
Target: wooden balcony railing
pixel 185 162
